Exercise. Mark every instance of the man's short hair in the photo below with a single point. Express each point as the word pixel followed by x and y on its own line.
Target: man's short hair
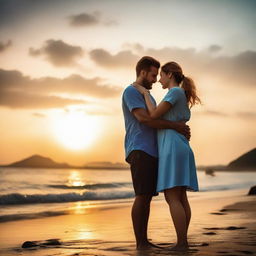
pixel 145 63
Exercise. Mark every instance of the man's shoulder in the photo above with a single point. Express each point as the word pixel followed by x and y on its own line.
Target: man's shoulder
pixel 130 90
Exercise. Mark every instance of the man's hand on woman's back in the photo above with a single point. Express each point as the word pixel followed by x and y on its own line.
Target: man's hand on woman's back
pixel 184 129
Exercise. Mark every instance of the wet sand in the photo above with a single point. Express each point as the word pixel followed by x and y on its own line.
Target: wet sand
pixel 222 223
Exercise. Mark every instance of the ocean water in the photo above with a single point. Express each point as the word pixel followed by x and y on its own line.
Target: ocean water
pixel 27 193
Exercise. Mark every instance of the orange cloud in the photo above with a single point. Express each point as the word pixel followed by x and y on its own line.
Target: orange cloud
pixel 19 91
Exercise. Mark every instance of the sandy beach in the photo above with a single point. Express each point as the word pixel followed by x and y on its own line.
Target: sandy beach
pixel 223 223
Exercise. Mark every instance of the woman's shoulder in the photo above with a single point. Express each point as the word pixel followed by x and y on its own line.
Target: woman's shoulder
pixel 175 91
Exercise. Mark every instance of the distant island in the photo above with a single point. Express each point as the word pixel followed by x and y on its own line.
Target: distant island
pixel 246 161
pixel 37 161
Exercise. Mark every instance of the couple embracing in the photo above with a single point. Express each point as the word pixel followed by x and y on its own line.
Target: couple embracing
pixel 157 146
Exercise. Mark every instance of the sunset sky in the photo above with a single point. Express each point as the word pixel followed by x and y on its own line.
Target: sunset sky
pixel 64 65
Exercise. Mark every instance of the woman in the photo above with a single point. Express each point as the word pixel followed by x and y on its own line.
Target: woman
pixel 176 168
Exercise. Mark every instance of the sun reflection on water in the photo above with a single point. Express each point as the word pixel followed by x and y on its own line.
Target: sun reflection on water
pixel 74 179
pixel 79 208
pixel 85 235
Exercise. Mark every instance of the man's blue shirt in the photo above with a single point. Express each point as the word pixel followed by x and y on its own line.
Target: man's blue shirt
pixel 138 136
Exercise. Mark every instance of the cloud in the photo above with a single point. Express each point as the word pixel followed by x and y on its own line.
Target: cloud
pixel 110 22
pixel 237 69
pixel 88 19
pixel 99 112
pixel 84 19
pixel 58 53
pixel 246 115
pixel 122 59
pixel 95 110
pixel 138 48
pixel 240 114
pixel 128 59
pixel 214 113
pixel 214 48
pixel 30 100
pixel 4 46
pixel 231 70
pixel 33 52
pixel 40 115
pixel 19 91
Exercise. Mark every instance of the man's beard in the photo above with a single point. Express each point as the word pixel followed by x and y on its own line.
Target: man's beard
pixel 145 83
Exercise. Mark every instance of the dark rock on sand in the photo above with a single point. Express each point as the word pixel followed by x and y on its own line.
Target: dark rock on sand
pixel 29 244
pixel 246 252
pixel 252 191
pixel 234 228
pixel 210 233
pixel 228 210
pixel 227 228
pixel 52 242
pixel 218 213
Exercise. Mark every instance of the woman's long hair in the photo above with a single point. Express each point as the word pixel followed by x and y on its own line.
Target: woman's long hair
pixel 186 82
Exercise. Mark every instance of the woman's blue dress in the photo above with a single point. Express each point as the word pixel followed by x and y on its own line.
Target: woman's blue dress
pixel 176 159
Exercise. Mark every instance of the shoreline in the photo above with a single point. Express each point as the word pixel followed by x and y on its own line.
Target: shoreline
pixel 107 230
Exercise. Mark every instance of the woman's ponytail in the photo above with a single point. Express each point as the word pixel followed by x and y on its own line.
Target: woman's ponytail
pixel 190 90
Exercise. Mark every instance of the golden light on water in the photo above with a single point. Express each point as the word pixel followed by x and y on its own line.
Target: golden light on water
pixel 79 208
pixel 85 235
pixel 76 130
pixel 74 179
pixel 85 230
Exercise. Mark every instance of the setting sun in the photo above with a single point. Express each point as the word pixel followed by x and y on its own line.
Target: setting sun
pixel 76 130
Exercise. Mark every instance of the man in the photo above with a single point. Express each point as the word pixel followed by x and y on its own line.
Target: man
pixel 141 146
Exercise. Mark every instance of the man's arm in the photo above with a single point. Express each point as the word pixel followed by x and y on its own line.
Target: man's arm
pixel 143 117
